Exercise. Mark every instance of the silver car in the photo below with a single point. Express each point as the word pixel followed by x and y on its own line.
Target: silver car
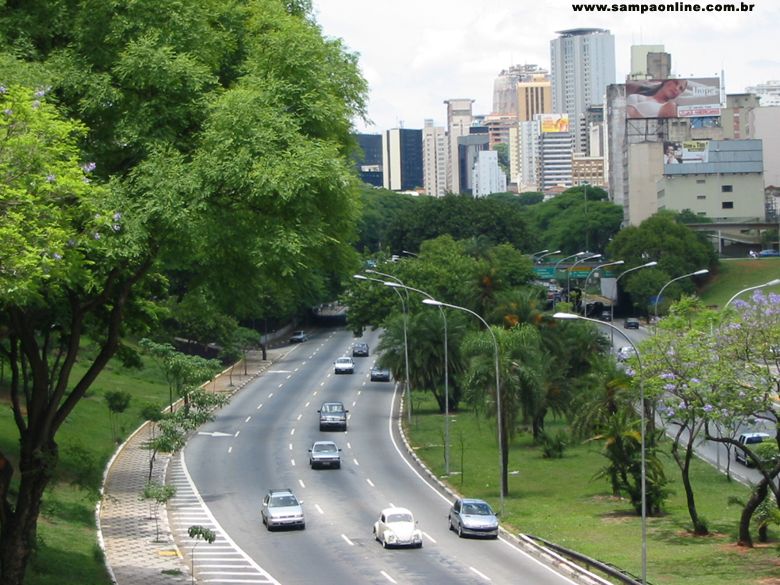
pixel 324 454
pixel 344 365
pixel 282 509
pixel 473 517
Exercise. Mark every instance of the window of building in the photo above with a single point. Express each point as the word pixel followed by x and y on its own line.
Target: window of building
pixel 728 205
pixel 701 181
pixel 727 188
pixel 701 197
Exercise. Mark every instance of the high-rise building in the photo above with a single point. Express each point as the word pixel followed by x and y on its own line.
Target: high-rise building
pixel 469 147
pixel 555 152
pixel 769 92
pixel 402 159
pixel 527 176
pixel 505 94
pixel 435 150
pixel 459 120
pixel 487 175
pixel 534 96
pixel 370 165
pixel 582 64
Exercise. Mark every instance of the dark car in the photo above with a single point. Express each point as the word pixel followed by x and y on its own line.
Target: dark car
pixel 298 337
pixel 380 374
pixel 333 416
pixel 631 323
pixel 360 350
pixel 605 315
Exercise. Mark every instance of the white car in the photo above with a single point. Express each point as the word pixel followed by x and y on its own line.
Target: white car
pixel 344 365
pixel 396 527
pixel 625 352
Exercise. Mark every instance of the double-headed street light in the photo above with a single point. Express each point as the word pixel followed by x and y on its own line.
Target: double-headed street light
pixel 774 282
pixel 661 292
pixel 571 268
pixel 617 292
pixel 572 316
pixel 558 263
pixel 542 255
pixel 500 421
pixel 446 375
pixel 406 344
pixel 593 271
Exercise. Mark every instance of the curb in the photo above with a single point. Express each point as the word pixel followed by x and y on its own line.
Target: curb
pixel 544 555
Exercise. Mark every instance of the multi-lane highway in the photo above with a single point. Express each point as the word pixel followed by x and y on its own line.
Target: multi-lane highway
pixel 261 441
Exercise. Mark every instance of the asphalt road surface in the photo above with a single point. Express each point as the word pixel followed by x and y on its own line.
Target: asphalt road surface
pixel 261 441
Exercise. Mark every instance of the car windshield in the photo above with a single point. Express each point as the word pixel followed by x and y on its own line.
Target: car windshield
pixel 282 502
pixel 343 361
pixel 477 509
pixel 332 408
pixel 399 518
pixel 325 448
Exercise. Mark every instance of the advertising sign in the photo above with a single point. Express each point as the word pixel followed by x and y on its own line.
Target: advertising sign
pixel 694 97
pixel 689 151
pixel 555 122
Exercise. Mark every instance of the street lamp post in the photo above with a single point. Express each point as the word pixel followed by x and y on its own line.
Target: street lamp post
pixel 697 273
pixel 406 344
pixel 500 421
pixel 643 480
pixel 568 272
pixel 774 282
pixel 538 260
pixel 593 271
pixel 617 292
pixel 446 376
pixel 558 263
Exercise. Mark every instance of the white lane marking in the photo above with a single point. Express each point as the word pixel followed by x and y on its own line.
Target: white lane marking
pixel 354 402
pixel 429 537
pixel 259 406
pixel 271 394
pixel 300 416
pixel 300 482
pixel 371 483
pixel 290 446
pixel 248 419
pixel 237 433
pixel 292 432
pixel 317 506
pixel 388 577
pixel 356 462
pixel 230 449
pixel 307 404
pixel 322 383
pixel 360 392
pixel 280 385
pixel 314 393
pixel 391 505
pixel 303 363
pixel 485 577
pixel 296 369
pixel 292 461
pixel 445 499
pixel 348 541
pixel 290 376
pixel 349 445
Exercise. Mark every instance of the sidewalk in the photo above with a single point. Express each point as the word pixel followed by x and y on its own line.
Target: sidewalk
pixel 128 534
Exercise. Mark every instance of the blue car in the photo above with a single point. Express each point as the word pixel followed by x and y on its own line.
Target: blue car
pixel 766 253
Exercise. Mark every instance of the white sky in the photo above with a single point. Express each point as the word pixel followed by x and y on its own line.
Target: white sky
pixel 417 53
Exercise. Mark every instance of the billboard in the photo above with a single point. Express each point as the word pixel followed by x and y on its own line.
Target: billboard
pixel 555 122
pixel 689 151
pixel 693 97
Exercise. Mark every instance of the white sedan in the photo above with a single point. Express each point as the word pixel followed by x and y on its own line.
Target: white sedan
pixel 396 527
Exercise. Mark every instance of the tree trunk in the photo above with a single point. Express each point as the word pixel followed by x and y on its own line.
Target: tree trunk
pixel 752 504
pixel 699 528
pixel 18 539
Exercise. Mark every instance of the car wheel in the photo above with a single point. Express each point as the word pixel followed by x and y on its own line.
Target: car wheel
pixel 321 428
pixel 303 526
pixel 460 531
pixel 338 465
pixel 449 524
pixel 419 545
pixel 384 543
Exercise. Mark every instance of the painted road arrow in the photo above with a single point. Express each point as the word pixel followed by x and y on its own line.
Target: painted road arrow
pixel 215 434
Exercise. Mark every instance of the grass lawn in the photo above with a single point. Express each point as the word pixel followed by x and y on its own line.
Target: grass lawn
pixel 68 553
pixel 737 274
pixel 558 500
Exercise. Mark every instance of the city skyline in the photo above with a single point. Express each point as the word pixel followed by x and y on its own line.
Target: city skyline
pixel 416 55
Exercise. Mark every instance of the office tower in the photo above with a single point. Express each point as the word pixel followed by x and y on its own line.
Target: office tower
pixel 369 166
pixel 650 62
pixel 469 147
pixel 435 149
pixel 505 91
pixel 487 175
pixel 534 96
pixel 555 152
pixel 459 120
pixel 769 93
pixel 582 65
pixel 527 170
pixel 402 159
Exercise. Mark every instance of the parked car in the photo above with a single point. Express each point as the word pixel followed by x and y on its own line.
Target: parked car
pixel 380 374
pixel 360 350
pixel 396 527
pixel 473 517
pixel 631 323
pixel 344 365
pixel 298 337
pixel 748 439
pixel 333 415
pixel 282 509
pixel 606 315
pixel 324 454
pixel 765 253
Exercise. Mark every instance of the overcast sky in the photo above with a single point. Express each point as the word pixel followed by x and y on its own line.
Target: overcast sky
pixel 417 53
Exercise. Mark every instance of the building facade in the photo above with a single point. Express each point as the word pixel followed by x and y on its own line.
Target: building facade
pixel 369 165
pixel 488 177
pixel 582 66
pixel 402 159
pixel 435 150
pixel 459 120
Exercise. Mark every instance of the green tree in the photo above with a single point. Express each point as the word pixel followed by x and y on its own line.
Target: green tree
pixel 158 495
pixel 214 144
pixel 117 401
